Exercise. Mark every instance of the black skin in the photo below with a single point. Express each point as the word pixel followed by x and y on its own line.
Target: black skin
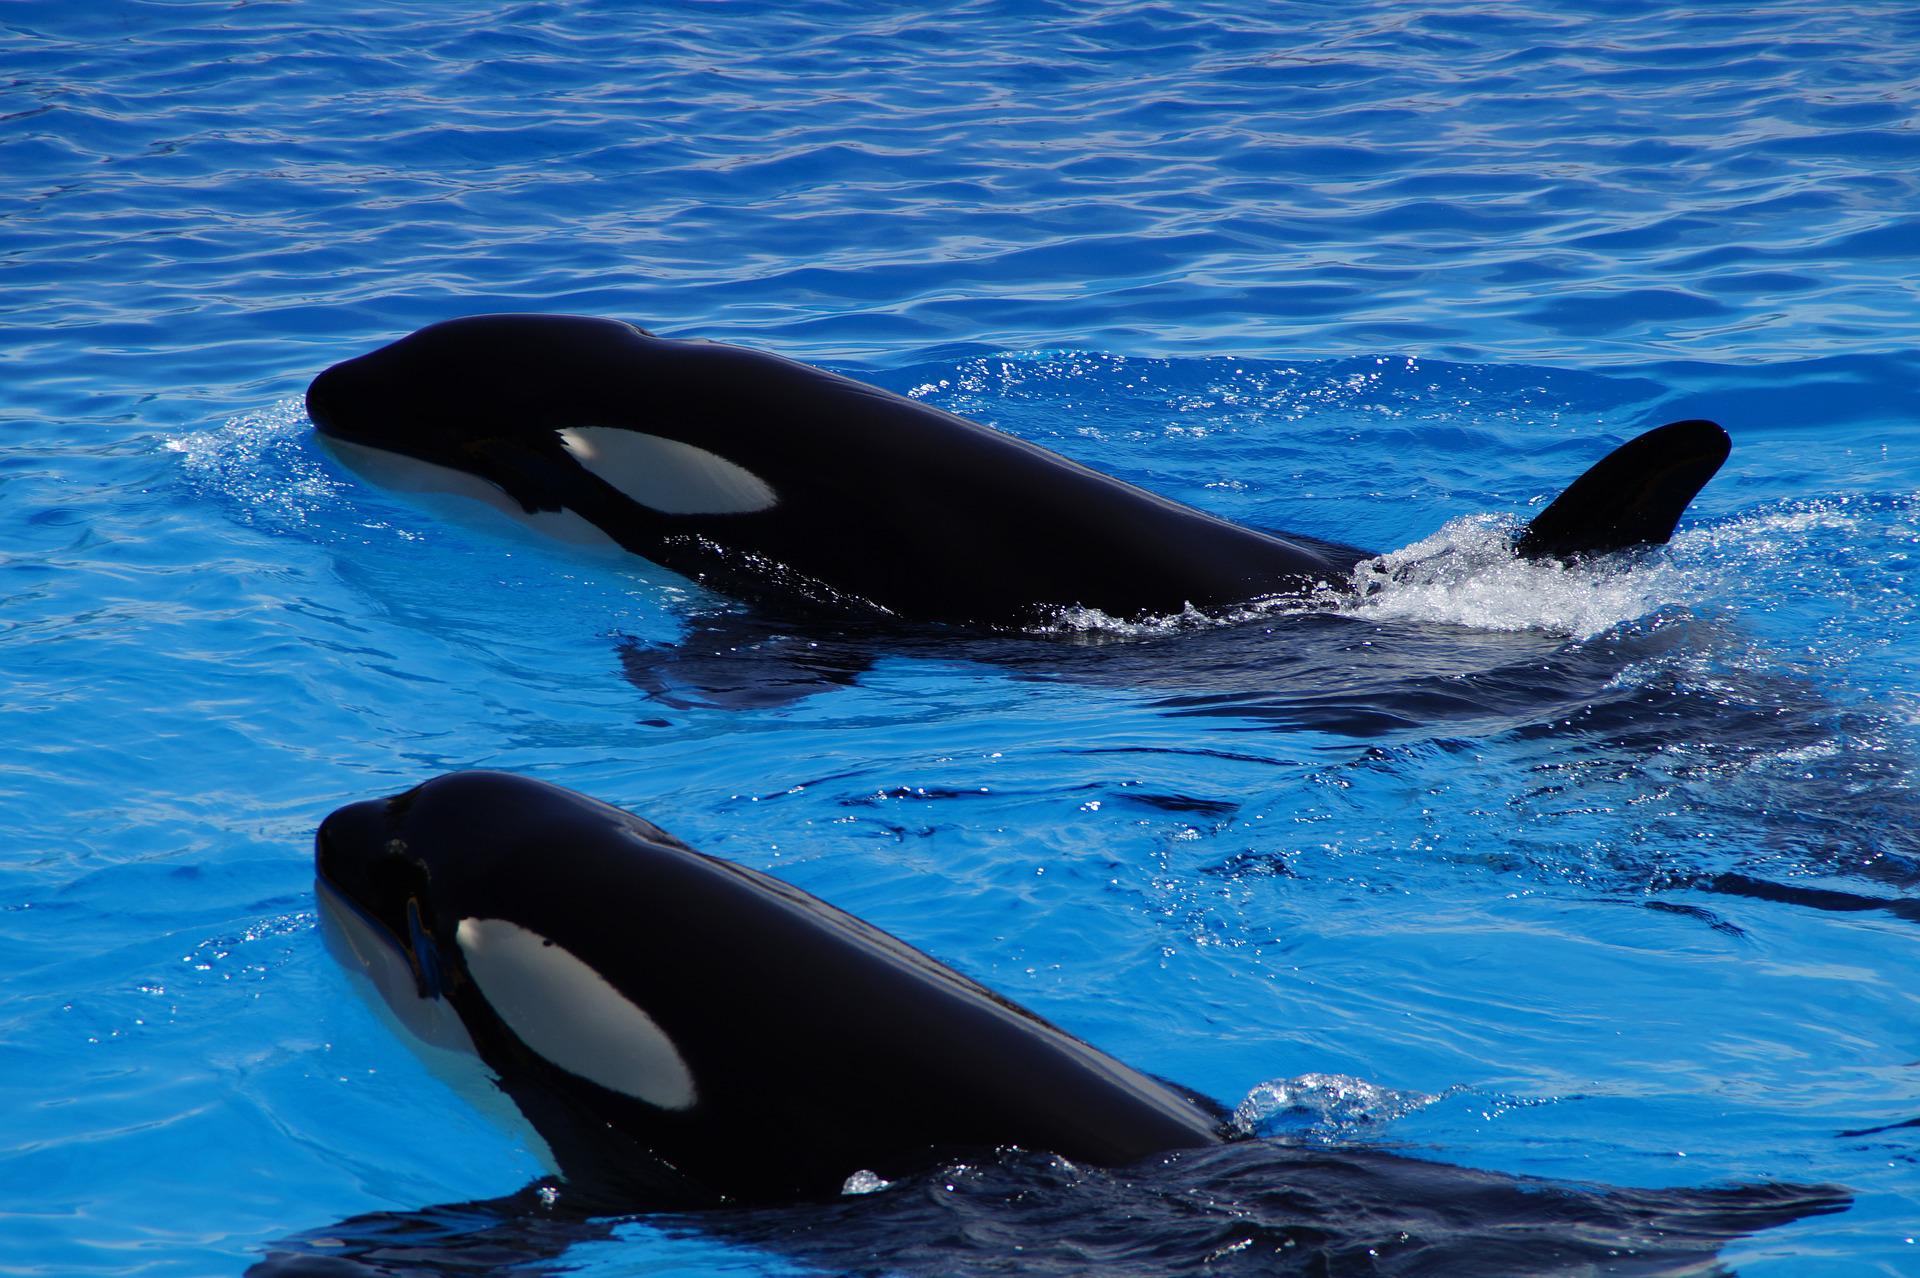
pixel 819 1045
pixel 883 502
pixel 1252 1208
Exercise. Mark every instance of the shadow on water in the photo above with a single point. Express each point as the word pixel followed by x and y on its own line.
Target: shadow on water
pixel 1251 1207
pixel 1454 635
pixel 1669 704
pixel 1316 671
pixel 1622 690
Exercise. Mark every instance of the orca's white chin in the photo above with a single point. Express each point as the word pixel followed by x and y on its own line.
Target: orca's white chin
pixel 368 954
pixel 431 1029
pixel 461 497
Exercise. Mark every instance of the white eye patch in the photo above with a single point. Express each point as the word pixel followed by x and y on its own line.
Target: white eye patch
pixel 568 1013
pixel 667 475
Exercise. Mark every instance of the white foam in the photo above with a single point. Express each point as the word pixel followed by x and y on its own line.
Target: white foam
pixel 564 1010
pixel 1467 575
pixel 1464 575
pixel 667 475
pixel 1093 625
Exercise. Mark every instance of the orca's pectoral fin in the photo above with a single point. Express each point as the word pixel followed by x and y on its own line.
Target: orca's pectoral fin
pixel 524 1232
pixel 1632 497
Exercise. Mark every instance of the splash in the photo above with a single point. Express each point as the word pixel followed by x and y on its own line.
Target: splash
pixel 1328 1106
pixel 1467 575
pixel 1091 625
pixel 262 464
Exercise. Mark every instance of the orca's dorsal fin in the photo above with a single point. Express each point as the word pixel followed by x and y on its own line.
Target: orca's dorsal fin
pixel 1631 497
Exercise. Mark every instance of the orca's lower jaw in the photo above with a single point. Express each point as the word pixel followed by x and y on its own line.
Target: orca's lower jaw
pixel 367 948
pixel 385 971
pixel 354 935
pixel 369 920
pixel 390 468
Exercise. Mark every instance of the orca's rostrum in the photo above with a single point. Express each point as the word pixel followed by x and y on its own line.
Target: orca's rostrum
pixel 771 480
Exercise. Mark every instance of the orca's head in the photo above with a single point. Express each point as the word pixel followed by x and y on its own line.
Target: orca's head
pixel 534 415
pixel 439 394
pixel 477 906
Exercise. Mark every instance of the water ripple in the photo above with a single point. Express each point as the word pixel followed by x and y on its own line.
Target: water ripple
pixel 751 171
pixel 1355 269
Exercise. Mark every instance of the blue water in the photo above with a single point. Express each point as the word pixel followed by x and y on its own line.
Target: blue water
pixel 1607 877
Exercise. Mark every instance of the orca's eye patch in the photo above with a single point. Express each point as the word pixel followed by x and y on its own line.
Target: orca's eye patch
pixel 570 1014
pixel 667 475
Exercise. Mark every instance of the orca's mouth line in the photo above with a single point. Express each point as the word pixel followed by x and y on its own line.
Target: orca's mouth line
pixel 330 893
pixel 417 953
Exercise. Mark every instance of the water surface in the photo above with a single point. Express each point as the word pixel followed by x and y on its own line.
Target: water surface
pixel 1612 873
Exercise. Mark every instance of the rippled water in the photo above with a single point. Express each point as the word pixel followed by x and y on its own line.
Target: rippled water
pixel 1599 876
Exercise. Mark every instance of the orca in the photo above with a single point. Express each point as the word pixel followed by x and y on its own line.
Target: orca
pixel 694 1032
pixel 772 481
pixel 701 1042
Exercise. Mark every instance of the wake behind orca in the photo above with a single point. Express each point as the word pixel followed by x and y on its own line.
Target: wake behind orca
pixel 772 481
pixel 689 1036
